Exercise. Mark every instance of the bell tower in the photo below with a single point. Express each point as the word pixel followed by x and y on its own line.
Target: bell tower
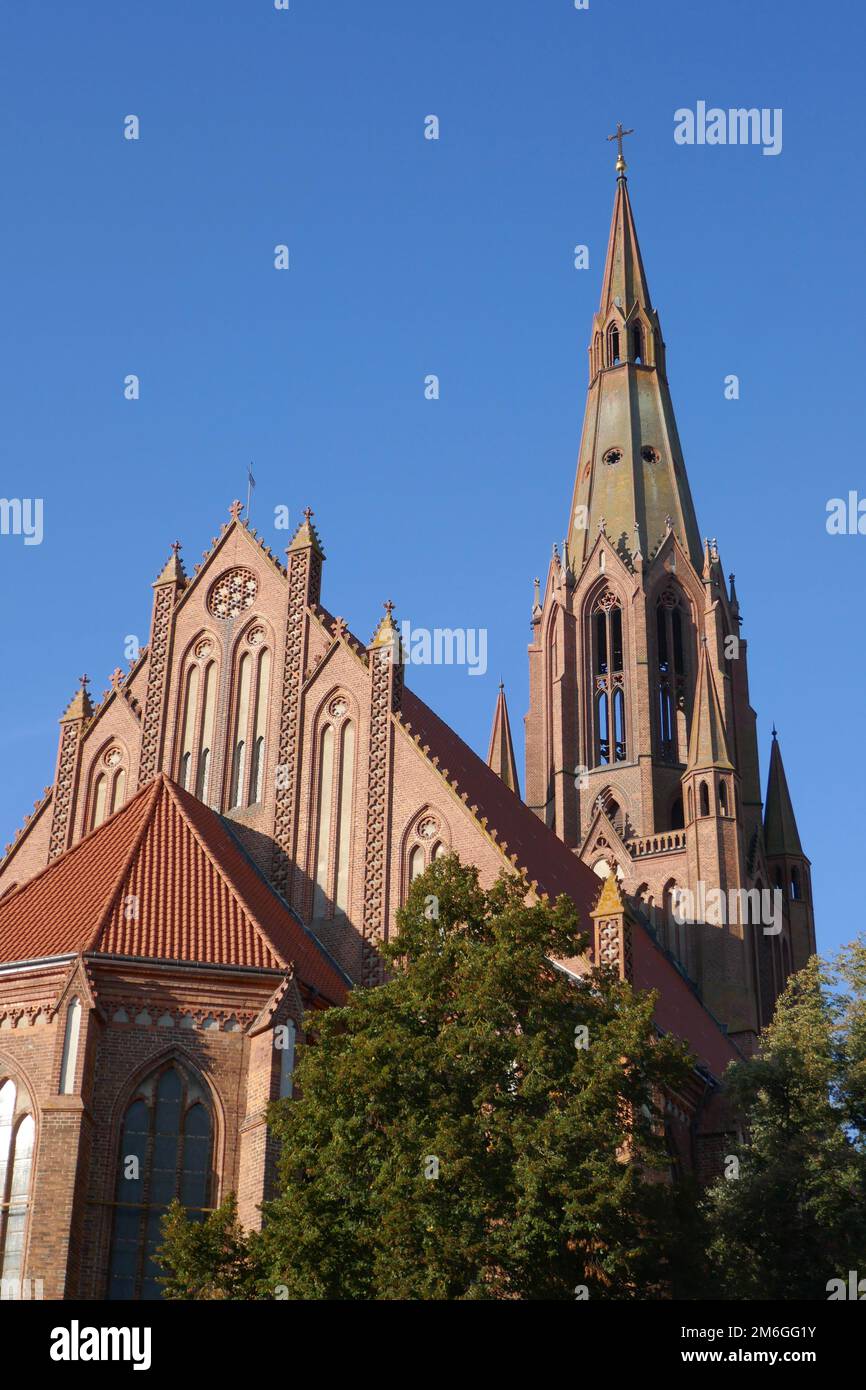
pixel 641 745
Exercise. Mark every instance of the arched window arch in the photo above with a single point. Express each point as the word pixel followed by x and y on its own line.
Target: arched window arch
pixel 164 1153
pixel 677 818
pixel 611 743
pixel 17 1138
pixel 257 772
pixel 70 1047
pixel 705 799
pixel 287 1059
pixel 612 345
pixel 334 807
pixel 416 863
pixel 723 797
pixel 796 890
pixel 671 676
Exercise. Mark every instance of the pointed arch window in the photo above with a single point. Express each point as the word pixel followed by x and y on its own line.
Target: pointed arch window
pixel 637 350
pixel 705 799
pixel 796 889
pixel 242 714
pixel 609 682
pixel 671 678
pixel 17 1138
pixel 612 345
pixel 334 804
pixel 252 687
pixel 164 1153
pixel 723 798
pixel 188 734
pixel 205 739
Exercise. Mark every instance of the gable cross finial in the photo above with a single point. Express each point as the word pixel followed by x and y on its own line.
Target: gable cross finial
pixel 235 509
pixel 308 514
pixel 176 546
pixel 618 135
pixel 82 680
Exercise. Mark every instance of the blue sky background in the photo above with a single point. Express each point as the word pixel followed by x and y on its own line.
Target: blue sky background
pixel 411 257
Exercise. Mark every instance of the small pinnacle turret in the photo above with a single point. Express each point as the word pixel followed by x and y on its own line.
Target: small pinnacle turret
pixel 500 754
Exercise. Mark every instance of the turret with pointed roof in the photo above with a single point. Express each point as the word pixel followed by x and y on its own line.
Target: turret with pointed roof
pixel 500 754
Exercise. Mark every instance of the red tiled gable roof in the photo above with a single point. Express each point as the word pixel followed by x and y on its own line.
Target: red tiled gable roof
pixel 540 853
pixel 162 879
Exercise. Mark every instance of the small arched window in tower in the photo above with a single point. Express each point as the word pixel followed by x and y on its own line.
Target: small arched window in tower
pixel 205 743
pixel 677 820
pixel 242 710
pixel 705 799
pixel 637 342
pixel 612 345
pixel 100 801
pixel 796 891
pixel 691 805
pixel 167 1129
pixel 777 879
pixel 70 1047
pixel 723 798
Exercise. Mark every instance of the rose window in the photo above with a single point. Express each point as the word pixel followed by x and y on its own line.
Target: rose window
pixel 233 592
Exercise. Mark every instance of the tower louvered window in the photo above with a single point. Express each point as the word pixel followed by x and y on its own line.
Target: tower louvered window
pixel 608 682
pixel 671 678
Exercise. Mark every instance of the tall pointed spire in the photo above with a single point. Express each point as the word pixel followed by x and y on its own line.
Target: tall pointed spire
pixel 630 468
pixel 500 754
pixel 781 835
pixel 708 746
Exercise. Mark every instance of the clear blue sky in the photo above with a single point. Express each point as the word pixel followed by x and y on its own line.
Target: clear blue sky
pixel 411 257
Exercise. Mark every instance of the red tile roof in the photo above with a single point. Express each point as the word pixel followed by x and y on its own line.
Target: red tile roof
pixel 540 853
pixel 162 879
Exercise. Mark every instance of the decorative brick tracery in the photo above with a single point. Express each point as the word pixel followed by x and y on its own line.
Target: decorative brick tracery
pixel 157 668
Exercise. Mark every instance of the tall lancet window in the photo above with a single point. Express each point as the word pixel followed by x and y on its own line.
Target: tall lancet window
pixel 17 1134
pixel 671 678
pixel 205 742
pixel 609 682
pixel 612 345
pixel 335 793
pixel 242 714
pixel 637 351
pixel 188 735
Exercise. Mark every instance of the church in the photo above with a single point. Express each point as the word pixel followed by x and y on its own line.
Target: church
pixel 234 824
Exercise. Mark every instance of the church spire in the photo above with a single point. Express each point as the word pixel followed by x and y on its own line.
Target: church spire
pixel 500 754
pixel 780 826
pixel 630 468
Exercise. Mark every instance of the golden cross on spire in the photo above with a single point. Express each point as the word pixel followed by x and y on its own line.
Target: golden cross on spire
pixel 621 165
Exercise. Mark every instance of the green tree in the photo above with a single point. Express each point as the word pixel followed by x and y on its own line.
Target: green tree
pixel 210 1258
pixel 795 1216
pixel 453 1138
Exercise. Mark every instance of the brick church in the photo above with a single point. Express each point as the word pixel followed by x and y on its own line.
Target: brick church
pixel 233 826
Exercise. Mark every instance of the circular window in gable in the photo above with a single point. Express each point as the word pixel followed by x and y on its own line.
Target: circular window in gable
pixel 232 593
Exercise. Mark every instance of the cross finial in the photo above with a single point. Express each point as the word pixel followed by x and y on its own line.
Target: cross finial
pixel 618 135
pixel 774 731
pixel 389 607
pixel 176 546
pixel 82 680
pixel 235 509
pixel 116 677
pixel 308 512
